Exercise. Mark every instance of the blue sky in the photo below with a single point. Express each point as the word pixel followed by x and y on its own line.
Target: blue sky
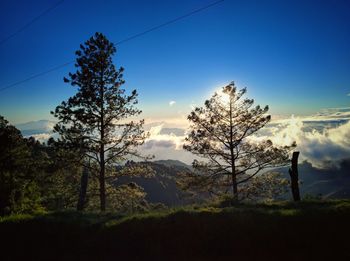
pixel 291 55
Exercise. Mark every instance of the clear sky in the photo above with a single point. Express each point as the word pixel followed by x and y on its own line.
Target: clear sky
pixel 291 55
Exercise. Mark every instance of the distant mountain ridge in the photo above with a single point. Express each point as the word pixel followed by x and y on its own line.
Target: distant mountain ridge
pixel 36 127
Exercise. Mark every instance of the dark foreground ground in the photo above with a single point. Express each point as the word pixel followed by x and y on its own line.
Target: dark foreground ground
pixel 280 231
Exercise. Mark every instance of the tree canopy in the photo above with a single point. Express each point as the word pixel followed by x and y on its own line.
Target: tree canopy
pixel 22 163
pixel 221 132
pixel 95 119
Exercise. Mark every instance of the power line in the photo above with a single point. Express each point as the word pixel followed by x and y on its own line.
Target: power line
pixel 30 22
pixel 169 22
pixel 117 43
pixel 37 75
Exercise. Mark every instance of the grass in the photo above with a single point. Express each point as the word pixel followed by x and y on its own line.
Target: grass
pixel 310 230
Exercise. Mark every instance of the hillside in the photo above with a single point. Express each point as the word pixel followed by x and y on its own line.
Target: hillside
pixel 326 183
pixel 280 231
pixel 162 187
pixel 332 182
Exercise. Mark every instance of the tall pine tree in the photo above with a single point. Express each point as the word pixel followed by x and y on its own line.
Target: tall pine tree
pixel 95 119
pixel 221 132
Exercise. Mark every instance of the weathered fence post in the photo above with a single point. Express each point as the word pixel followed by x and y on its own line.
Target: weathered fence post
pixel 293 172
pixel 83 188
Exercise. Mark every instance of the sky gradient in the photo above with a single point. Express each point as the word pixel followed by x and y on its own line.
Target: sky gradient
pixel 292 55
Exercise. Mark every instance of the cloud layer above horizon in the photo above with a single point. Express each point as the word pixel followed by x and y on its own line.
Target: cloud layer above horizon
pixel 323 139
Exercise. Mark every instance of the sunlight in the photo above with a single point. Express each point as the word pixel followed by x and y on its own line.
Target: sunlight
pixel 223 97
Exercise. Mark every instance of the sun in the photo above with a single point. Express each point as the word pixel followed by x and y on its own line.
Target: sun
pixel 223 97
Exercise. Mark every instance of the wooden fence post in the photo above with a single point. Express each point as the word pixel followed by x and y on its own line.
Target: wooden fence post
pixel 293 172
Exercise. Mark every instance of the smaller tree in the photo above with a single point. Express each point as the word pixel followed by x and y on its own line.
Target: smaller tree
pixel 21 164
pixel 265 187
pixel 64 175
pixel 131 197
pixel 222 132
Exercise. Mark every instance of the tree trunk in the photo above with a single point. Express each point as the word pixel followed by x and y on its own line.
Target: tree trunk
pixel 102 180
pixel 233 166
pixel 83 189
pixel 293 172
pixel 102 148
pixel 234 183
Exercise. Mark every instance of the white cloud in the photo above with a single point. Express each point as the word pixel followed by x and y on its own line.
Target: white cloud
pixel 42 137
pixel 175 122
pixel 166 143
pixel 159 143
pixel 321 139
pixel 171 103
pixel 155 130
pixel 156 135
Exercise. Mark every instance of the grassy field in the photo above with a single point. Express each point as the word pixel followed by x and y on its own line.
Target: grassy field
pixel 313 230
